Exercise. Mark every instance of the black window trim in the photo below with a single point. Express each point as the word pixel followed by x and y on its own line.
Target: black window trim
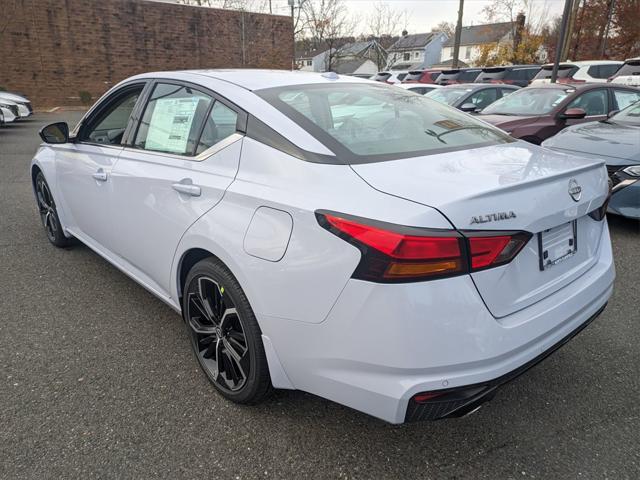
pixel 241 121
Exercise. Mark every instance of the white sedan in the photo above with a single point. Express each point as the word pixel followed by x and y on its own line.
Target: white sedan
pixel 334 235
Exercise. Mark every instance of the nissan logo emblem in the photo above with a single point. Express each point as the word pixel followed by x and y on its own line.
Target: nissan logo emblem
pixel 575 190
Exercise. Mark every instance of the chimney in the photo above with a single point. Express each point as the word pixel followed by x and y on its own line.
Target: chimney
pixel 404 33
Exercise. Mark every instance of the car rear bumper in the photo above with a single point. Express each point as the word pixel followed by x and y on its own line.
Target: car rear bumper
pixel 382 344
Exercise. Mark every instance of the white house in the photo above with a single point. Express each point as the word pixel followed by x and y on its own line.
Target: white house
pixel 419 50
pixel 476 37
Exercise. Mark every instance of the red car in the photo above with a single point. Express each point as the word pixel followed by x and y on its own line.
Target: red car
pixel 422 76
pixel 537 113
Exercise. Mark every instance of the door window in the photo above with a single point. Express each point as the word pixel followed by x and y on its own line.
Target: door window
pixel 484 98
pixel 594 102
pixel 108 127
pixel 220 124
pixel 173 119
pixel 624 98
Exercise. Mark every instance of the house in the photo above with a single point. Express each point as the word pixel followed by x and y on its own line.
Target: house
pixel 419 50
pixel 478 38
pixel 361 57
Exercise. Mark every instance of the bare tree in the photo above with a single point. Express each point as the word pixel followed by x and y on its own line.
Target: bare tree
pixel 384 25
pixel 247 5
pixel 446 27
pixel 329 25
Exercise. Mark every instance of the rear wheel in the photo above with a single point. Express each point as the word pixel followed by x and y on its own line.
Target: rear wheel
pixel 49 214
pixel 225 335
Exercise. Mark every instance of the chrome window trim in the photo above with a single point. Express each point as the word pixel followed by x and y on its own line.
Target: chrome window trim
pixel 212 150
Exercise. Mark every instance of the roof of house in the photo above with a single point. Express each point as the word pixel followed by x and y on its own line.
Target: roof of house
pixel 480 34
pixel 416 40
pixel 349 66
pixel 448 63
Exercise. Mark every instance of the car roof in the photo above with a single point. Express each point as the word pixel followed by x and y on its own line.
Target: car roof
pixel 480 86
pixel 256 79
pixel 584 63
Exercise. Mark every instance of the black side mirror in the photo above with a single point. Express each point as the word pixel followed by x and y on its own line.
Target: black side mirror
pixel 469 107
pixel 55 133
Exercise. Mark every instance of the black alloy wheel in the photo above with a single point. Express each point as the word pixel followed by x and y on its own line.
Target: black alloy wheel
pixel 224 333
pixel 49 214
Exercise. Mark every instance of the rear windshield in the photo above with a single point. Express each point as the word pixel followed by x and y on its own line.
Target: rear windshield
pixel 364 123
pixel 413 76
pixel 468 76
pixel 528 101
pixel 521 74
pixel 381 77
pixel 630 68
pixel 449 74
pixel 492 74
pixel 564 71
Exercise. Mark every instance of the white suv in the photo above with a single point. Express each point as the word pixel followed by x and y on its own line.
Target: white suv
pixel 592 71
pixel 629 73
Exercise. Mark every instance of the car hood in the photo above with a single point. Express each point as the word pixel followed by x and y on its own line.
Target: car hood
pixel 509 121
pixel 12 96
pixel 603 139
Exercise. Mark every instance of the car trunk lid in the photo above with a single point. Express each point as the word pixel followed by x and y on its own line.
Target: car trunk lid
pixel 512 187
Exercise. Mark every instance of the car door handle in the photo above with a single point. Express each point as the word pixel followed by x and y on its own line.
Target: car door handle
pixel 187 189
pixel 100 175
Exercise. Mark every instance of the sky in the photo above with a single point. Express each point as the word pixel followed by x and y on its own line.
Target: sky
pixel 425 14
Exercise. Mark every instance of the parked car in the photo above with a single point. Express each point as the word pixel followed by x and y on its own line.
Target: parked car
pixel 471 97
pixel 1 118
pixel 520 75
pixel 420 88
pixel 10 110
pixel 538 112
pixel 617 142
pixel 461 75
pixel 628 74
pixel 422 76
pixel 390 76
pixel 594 71
pixel 24 105
pixel 432 260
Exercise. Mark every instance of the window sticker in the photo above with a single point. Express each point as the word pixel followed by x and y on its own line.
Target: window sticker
pixel 170 124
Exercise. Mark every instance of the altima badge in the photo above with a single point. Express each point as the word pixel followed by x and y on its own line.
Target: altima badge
pixel 575 190
pixel 493 217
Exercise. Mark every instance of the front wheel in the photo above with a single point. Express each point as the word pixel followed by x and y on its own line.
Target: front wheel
pixel 225 335
pixel 49 214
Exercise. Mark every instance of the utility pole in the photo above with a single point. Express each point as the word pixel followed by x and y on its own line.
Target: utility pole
pixel 561 39
pixel 603 47
pixel 293 34
pixel 456 44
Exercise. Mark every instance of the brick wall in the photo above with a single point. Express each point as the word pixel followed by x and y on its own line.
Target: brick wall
pixel 52 50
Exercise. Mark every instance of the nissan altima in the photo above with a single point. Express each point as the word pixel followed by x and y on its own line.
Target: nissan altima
pixel 334 235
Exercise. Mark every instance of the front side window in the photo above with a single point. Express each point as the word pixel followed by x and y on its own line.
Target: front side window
pixel 362 123
pixel 108 127
pixel 624 98
pixel 173 119
pixel 594 102
pixel 528 101
pixel 484 98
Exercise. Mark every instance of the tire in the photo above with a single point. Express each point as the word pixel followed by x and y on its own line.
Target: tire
pixel 225 336
pixel 49 214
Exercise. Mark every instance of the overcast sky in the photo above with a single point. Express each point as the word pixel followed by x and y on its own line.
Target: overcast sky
pixel 425 14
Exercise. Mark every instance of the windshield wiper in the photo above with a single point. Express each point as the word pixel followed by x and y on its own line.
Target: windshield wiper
pixel 466 127
pixel 435 135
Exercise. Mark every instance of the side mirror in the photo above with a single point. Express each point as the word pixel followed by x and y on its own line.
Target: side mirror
pixel 469 107
pixel 573 113
pixel 612 113
pixel 55 133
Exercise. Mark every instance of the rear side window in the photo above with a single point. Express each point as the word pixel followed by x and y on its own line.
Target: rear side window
pixel 434 76
pixel 362 123
pixel 220 124
pixel 603 71
pixel 401 76
pixel 624 98
pixel 173 119
pixel 629 68
pixel 524 74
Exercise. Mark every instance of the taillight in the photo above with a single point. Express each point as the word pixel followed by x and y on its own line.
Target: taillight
pixel 395 254
pixel 488 249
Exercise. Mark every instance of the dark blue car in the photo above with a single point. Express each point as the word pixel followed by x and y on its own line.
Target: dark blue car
pixel 617 142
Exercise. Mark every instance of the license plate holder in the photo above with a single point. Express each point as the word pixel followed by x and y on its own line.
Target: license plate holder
pixel 557 244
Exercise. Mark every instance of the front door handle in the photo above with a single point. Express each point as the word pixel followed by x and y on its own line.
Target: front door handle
pixel 187 187
pixel 100 175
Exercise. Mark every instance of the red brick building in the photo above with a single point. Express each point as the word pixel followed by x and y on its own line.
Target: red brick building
pixel 59 51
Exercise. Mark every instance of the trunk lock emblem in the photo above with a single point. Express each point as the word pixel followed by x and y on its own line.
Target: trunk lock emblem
pixel 575 190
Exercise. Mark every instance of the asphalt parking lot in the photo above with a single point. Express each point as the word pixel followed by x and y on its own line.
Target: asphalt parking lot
pixel 98 381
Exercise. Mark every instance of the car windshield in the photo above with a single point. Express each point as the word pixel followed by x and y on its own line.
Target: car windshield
pixel 628 116
pixel 448 95
pixel 364 122
pixel 528 101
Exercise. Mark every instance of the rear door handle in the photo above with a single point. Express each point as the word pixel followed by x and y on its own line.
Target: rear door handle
pixel 185 186
pixel 100 175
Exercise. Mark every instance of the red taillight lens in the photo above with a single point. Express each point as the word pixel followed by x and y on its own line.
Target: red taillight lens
pixel 393 253
pixel 490 250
